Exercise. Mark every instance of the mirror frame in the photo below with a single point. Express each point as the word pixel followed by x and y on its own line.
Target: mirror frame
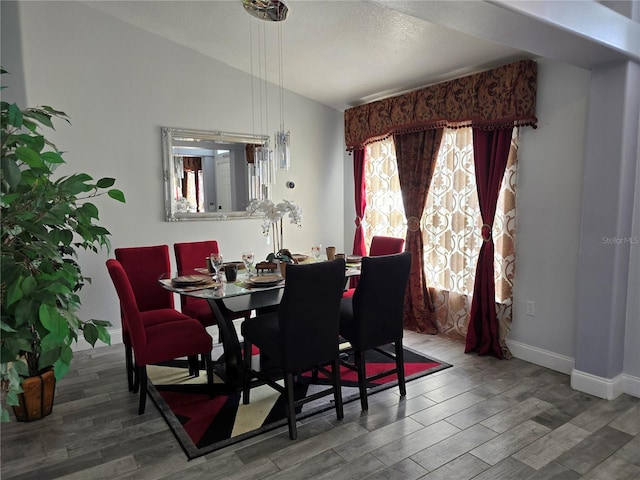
pixel 168 136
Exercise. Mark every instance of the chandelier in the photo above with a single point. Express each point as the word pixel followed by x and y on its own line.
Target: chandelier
pixel 263 171
pixel 269 10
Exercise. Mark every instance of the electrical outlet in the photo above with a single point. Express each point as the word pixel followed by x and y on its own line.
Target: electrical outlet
pixel 531 308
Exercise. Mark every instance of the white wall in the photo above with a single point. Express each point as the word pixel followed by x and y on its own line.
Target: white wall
pixel 632 333
pixel 119 85
pixel 550 172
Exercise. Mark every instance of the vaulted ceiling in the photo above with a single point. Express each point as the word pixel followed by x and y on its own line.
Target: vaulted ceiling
pixel 345 53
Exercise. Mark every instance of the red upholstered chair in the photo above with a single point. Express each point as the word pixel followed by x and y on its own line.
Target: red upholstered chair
pixel 372 318
pixel 380 246
pixel 158 335
pixel 385 246
pixel 189 256
pixel 143 266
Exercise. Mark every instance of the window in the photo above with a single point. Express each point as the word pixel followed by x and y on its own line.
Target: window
pixel 385 211
pixel 451 224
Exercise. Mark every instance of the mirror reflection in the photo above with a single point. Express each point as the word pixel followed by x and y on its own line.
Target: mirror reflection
pixel 208 173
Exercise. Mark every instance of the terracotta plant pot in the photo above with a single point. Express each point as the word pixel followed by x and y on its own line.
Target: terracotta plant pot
pixel 37 400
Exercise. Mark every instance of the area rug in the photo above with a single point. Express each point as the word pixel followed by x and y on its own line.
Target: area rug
pixel 203 424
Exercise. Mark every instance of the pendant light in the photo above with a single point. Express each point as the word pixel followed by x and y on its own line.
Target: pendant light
pixel 262 174
pixel 268 10
pixel 282 137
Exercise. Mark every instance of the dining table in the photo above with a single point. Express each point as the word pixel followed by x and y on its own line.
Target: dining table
pixel 250 291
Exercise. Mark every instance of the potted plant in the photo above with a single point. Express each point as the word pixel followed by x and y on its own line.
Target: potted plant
pixel 273 215
pixel 45 220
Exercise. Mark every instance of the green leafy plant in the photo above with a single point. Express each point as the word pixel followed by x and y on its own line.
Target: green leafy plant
pixel 45 220
pixel 283 255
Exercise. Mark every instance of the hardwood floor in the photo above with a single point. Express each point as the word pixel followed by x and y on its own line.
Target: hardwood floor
pixel 482 419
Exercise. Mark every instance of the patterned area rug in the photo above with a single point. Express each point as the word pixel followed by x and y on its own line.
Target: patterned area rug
pixel 202 423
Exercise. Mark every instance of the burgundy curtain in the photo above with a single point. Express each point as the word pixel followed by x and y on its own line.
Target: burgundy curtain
pixel 360 200
pixel 192 164
pixel 360 197
pixel 416 154
pixel 501 97
pixel 491 152
pixel 250 152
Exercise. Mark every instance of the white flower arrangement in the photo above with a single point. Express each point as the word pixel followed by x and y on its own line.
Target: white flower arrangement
pixel 273 215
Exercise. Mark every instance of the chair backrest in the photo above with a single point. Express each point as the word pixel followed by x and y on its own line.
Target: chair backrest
pixel 379 298
pixel 385 245
pixel 309 314
pixel 143 266
pixel 192 255
pixel 128 304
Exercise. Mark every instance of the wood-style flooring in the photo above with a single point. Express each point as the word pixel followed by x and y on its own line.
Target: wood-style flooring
pixel 482 419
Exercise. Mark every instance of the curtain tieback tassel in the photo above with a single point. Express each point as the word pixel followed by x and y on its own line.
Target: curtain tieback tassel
pixel 413 224
pixel 486 232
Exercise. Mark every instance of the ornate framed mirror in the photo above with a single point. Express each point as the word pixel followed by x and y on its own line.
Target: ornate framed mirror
pixel 208 175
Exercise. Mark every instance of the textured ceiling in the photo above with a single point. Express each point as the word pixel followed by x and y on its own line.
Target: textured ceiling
pixel 339 53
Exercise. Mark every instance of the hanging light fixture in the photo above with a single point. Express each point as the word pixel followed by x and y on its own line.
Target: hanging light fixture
pixel 263 172
pixel 269 10
pixel 281 137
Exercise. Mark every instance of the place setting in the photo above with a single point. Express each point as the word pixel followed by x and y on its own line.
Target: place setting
pixel 216 267
pixel 189 283
pixel 264 281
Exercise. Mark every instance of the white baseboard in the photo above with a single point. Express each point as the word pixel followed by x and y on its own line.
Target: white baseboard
pixel 607 388
pixel 82 344
pixel 541 357
pixel 584 382
pixel 631 385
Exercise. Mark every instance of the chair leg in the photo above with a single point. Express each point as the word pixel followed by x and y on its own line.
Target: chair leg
pixel 400 367
pixel 136 377
pixel 337 389
pixel 362 379
pixel 208 362
pixel 246 373
pixel 142 376
pixel 128 356
pixel 291 410
pixel 194 368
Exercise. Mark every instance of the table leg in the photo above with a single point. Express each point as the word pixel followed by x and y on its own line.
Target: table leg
pixel 233 365
pixel 232 355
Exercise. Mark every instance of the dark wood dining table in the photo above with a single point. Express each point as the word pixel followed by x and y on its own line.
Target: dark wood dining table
pixel 225 298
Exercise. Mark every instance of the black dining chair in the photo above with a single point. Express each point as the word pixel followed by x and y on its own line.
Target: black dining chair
pixel 372 318
pixel 301 335
pixel 380 245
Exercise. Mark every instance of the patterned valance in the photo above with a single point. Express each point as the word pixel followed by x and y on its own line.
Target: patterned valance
pixel 501 97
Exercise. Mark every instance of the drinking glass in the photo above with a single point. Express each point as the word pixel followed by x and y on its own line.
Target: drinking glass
pixel 315 251
pixel 247 259
pixel 216 261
